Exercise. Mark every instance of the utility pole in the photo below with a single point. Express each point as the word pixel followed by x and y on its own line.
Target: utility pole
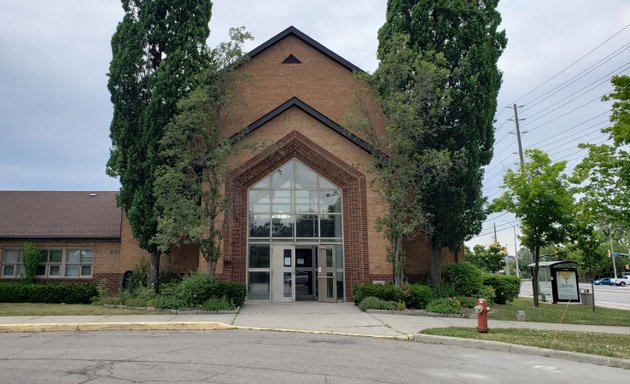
pixel 518 271
pixel 612 250
pixel 518 138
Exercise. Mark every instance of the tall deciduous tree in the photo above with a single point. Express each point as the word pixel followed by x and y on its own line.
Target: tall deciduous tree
pixel 410 90
pixel 189 185
pixel 540 196
pixel 603 176
pixel 465 32
pixel 158 49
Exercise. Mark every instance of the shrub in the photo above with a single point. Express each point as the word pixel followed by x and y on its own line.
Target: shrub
pixel 506 288
pixel 217 304
pixel 372 302
pixel 487 292
pixel 140 274
pixel 234 292
pixel 169 302
pixel 443 305
pixel 387 292
pixel 31 256
pixel 417 295
pixel 465 277
pixel 194 289
pixel 20 292
pixel 444 290
pixel 467 301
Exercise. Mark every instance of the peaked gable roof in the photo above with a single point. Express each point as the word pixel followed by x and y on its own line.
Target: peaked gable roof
pixel 295 102
pixel 292 31
pixel 59 215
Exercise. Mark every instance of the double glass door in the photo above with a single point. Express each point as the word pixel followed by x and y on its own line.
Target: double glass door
pixel 303 273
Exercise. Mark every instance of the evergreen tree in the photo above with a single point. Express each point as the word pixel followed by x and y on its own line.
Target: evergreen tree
pixel 465 33
pixel 157 51
pixel 189 185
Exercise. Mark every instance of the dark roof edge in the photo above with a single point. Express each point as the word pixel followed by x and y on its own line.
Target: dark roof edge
pixel 308 40
pixel 295 102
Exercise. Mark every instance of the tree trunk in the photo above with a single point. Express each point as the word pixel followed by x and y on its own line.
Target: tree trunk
pixel 436 267
pixel 154 272
pixel 397 263
pixel 535 276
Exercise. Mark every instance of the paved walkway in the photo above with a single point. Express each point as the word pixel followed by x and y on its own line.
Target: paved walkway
pixel 340 318
pixel 343 318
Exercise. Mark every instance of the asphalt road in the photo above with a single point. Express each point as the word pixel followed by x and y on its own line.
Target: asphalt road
pixel 269 357
pixel 605 295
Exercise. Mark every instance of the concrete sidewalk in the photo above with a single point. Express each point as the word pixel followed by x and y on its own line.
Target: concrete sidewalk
pixel 312 317
pixel 342 318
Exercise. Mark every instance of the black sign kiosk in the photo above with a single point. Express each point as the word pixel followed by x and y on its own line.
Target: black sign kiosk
pixel 558 281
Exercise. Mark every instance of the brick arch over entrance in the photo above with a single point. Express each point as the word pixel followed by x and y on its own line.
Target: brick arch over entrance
pixel 353 187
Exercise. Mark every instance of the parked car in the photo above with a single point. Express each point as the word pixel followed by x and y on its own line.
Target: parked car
pixel 622 281
pixel 604 281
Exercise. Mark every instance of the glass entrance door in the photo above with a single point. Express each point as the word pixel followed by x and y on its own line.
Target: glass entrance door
pixel 326 274
pixel 283 273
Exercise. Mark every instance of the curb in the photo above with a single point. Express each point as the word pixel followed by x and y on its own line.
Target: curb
pixel 615 362
pixel 138 326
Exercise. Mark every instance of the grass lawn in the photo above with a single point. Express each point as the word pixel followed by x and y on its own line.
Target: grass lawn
pixel 29 309
pixel 553 313
pixel 604 344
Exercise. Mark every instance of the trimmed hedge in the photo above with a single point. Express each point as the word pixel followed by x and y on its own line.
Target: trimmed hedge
pixel 417 296
pixel 506 288
pixel 70 293
pixel 371 302
pixel 465 278
pixel 387 292
pixel 197 288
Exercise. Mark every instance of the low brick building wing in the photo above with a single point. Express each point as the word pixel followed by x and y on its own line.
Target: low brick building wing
pixel 77 232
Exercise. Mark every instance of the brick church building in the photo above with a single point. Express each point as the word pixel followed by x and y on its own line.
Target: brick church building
pixel 302 221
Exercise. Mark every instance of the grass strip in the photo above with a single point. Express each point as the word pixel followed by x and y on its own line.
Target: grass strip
pixel 553 313
pixel 603 344
pixel 34 309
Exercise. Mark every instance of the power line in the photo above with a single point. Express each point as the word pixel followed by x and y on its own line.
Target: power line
pixel 575 78
pixel 572 64
pixel 602 80
pixel 565 114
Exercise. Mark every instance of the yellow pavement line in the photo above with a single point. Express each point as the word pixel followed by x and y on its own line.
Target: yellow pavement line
pixel 168 326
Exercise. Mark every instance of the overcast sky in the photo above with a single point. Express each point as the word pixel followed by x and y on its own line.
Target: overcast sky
pixel 55 110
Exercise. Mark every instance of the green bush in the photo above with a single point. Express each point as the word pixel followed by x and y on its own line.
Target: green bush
pixel 31 255
pixel 169 302
pixel 487 292
pixel 465 277
pixel 372 302
pixel 444 290
pixel 194 289
pixel 20 292
pixel 506 288
pixel 467 301
pixel 234 292
pixel 443 305
pixel 387 292
pixel 217 304
pixel 417 296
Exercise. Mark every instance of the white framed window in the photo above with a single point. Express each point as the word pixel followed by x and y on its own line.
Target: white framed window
pixel 53 263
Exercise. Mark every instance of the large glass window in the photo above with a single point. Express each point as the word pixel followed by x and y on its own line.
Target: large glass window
pixel 291 205
pixel 70 263
pixel 294 202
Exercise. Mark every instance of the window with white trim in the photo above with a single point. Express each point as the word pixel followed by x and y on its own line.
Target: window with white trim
pixel 53 263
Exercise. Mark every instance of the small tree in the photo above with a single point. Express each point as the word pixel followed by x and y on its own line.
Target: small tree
pixel 31 256
pixel 540 196
pixel 410 91
pixel 189 185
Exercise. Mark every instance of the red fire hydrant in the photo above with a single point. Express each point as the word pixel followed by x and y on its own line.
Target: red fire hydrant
pixel 482 315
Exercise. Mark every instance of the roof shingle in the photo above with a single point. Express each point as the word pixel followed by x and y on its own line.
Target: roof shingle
pixel 56 214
